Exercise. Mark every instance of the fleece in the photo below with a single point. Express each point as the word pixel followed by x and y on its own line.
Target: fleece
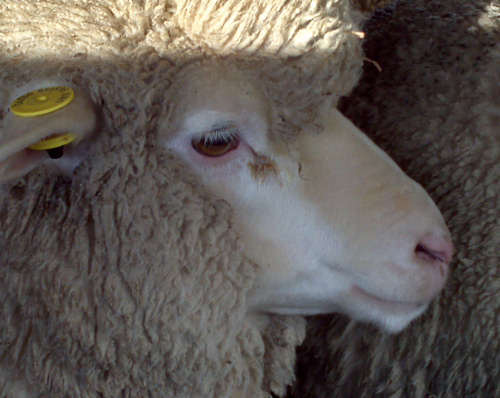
pixel 435 108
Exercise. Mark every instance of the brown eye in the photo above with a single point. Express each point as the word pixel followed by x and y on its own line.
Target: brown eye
pixel 215 148
pixel 217 143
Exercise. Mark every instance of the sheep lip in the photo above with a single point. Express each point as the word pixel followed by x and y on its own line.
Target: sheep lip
pixel 382 303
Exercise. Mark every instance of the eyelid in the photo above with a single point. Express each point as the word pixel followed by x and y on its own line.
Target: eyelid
pixel 219 132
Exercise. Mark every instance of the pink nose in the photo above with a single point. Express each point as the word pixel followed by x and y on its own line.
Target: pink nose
pixel 437 251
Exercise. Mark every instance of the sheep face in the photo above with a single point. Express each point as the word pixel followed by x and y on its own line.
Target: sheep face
pixel 333 222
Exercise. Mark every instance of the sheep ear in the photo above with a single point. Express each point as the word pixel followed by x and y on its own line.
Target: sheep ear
pixel 43 124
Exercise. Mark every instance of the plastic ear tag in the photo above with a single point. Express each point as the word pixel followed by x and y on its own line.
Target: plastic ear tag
pixel 42 102
pixel 54 145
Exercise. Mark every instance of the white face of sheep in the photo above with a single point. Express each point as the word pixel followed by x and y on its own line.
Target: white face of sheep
pixel 336 226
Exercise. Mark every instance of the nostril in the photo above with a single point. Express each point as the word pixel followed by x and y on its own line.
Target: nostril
pixel 437 251
pixel 428 254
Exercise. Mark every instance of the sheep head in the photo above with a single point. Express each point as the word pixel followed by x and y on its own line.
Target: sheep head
pixel 334 223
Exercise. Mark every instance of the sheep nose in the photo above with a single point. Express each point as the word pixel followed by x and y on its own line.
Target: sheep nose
pixel 436 251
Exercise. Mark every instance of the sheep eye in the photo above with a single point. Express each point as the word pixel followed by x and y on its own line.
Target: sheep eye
pixel 217 142
pixel 214 148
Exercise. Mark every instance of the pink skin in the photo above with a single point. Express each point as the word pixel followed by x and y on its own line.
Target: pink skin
pixel 28 159
pixel 21 163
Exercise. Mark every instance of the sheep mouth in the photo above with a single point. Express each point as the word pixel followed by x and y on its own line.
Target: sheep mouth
pixel 392 306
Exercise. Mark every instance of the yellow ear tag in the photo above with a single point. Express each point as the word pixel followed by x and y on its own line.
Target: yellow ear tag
pixel 42 102
pixel 39 103
pixel 53 142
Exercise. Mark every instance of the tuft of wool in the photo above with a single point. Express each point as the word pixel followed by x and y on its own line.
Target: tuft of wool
pixel 435 108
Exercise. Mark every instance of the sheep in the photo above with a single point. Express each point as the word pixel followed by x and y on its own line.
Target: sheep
pixel 150 257
pixel 435 108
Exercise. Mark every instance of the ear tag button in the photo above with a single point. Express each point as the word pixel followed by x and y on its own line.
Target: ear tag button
pixel 42 102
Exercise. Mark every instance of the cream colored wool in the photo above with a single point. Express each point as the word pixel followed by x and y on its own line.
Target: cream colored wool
pixel 128 279
pixel 435 107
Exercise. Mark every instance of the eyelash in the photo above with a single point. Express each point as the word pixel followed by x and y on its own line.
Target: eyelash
pixel 217 135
